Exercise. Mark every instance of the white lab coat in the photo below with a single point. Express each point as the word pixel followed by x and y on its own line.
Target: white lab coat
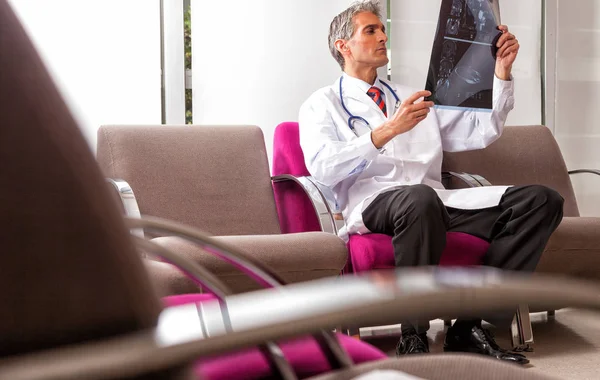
pixel 357 172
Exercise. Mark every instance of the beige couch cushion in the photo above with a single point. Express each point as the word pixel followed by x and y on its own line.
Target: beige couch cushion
pixel 574 248
pixel 294 257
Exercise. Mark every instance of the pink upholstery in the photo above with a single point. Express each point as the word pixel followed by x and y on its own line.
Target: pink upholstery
pixel 366 252
pixel 296 213
pixel 372 251
pixel 303 354
pixel 182 299
pixel 287 154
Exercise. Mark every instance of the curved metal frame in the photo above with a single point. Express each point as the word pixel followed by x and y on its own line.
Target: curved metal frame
pixel 480 179
pixel 201 277
pixel 317 198
pixel 338 358
pixel 130 205
pixel 470 179
pixel 329 197
pixel 581 171
pixel 521 331
pixel 207 280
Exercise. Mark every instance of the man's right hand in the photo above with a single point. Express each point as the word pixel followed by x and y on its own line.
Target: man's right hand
pixel 407 116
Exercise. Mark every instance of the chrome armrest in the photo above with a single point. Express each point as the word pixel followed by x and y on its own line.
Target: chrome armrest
pixel 321 198
pixel 580 171
pixel 481 180
pixel 127 197
pixel 331 347
pixel 472 180
pixel 338 218
pixel 195 272
pixel 207 280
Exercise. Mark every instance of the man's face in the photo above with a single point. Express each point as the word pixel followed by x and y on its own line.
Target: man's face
pixel 367 45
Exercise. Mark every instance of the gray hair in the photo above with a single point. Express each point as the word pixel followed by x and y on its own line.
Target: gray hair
pixel 342 26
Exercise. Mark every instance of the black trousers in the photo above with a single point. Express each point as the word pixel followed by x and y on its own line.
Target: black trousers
pixel 517 229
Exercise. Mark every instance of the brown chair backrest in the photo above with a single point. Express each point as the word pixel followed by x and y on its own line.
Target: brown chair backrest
pixel 523 155
pixel 215 178
pixel 68 270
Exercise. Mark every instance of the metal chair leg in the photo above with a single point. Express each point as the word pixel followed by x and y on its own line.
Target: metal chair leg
pixel 521 331
pixel 351 331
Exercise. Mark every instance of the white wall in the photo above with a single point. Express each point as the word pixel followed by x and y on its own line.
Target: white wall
pixel 257 64
pixel 104 56
pixel 412 33
pixel 174 62
pixel 578 96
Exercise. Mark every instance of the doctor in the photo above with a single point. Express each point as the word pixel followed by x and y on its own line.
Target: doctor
pixel 379 147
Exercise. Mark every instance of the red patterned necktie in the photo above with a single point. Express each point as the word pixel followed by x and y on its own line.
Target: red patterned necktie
pixel 375 94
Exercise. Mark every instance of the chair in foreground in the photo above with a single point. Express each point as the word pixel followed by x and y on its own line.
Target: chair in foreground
pixel 304 205
pixel 70 273
pixel 67 275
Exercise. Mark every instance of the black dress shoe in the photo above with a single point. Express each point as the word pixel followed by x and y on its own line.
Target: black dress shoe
pixel 412 343
pixel 490 337
pixel 479 341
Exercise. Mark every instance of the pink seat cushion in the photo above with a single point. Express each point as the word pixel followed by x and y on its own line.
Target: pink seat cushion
pixel 375 251
pixel 303 354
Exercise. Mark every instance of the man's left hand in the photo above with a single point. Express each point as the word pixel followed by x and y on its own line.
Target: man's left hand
pixel 508 49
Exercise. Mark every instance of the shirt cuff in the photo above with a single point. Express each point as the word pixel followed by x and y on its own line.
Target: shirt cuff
pixel 503 86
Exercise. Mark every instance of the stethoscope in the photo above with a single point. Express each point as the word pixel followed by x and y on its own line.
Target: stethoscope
pixel 353 119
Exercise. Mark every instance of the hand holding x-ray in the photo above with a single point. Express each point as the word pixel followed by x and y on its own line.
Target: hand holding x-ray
pixel 507 50
pixel 410 113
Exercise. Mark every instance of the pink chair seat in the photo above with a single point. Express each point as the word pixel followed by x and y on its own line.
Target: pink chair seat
pixel 295 210
pixel 375 251
pixel 366 252
pixel 303 354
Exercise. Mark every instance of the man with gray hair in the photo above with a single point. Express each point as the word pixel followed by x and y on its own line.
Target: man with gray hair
pixel 379 147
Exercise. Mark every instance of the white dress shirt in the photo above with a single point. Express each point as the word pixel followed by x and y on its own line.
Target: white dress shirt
pixel 357 171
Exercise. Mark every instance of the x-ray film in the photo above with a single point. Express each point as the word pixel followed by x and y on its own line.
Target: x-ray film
pixel 461 70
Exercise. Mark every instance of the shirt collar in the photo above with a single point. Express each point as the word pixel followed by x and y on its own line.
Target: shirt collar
pixel 359 83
